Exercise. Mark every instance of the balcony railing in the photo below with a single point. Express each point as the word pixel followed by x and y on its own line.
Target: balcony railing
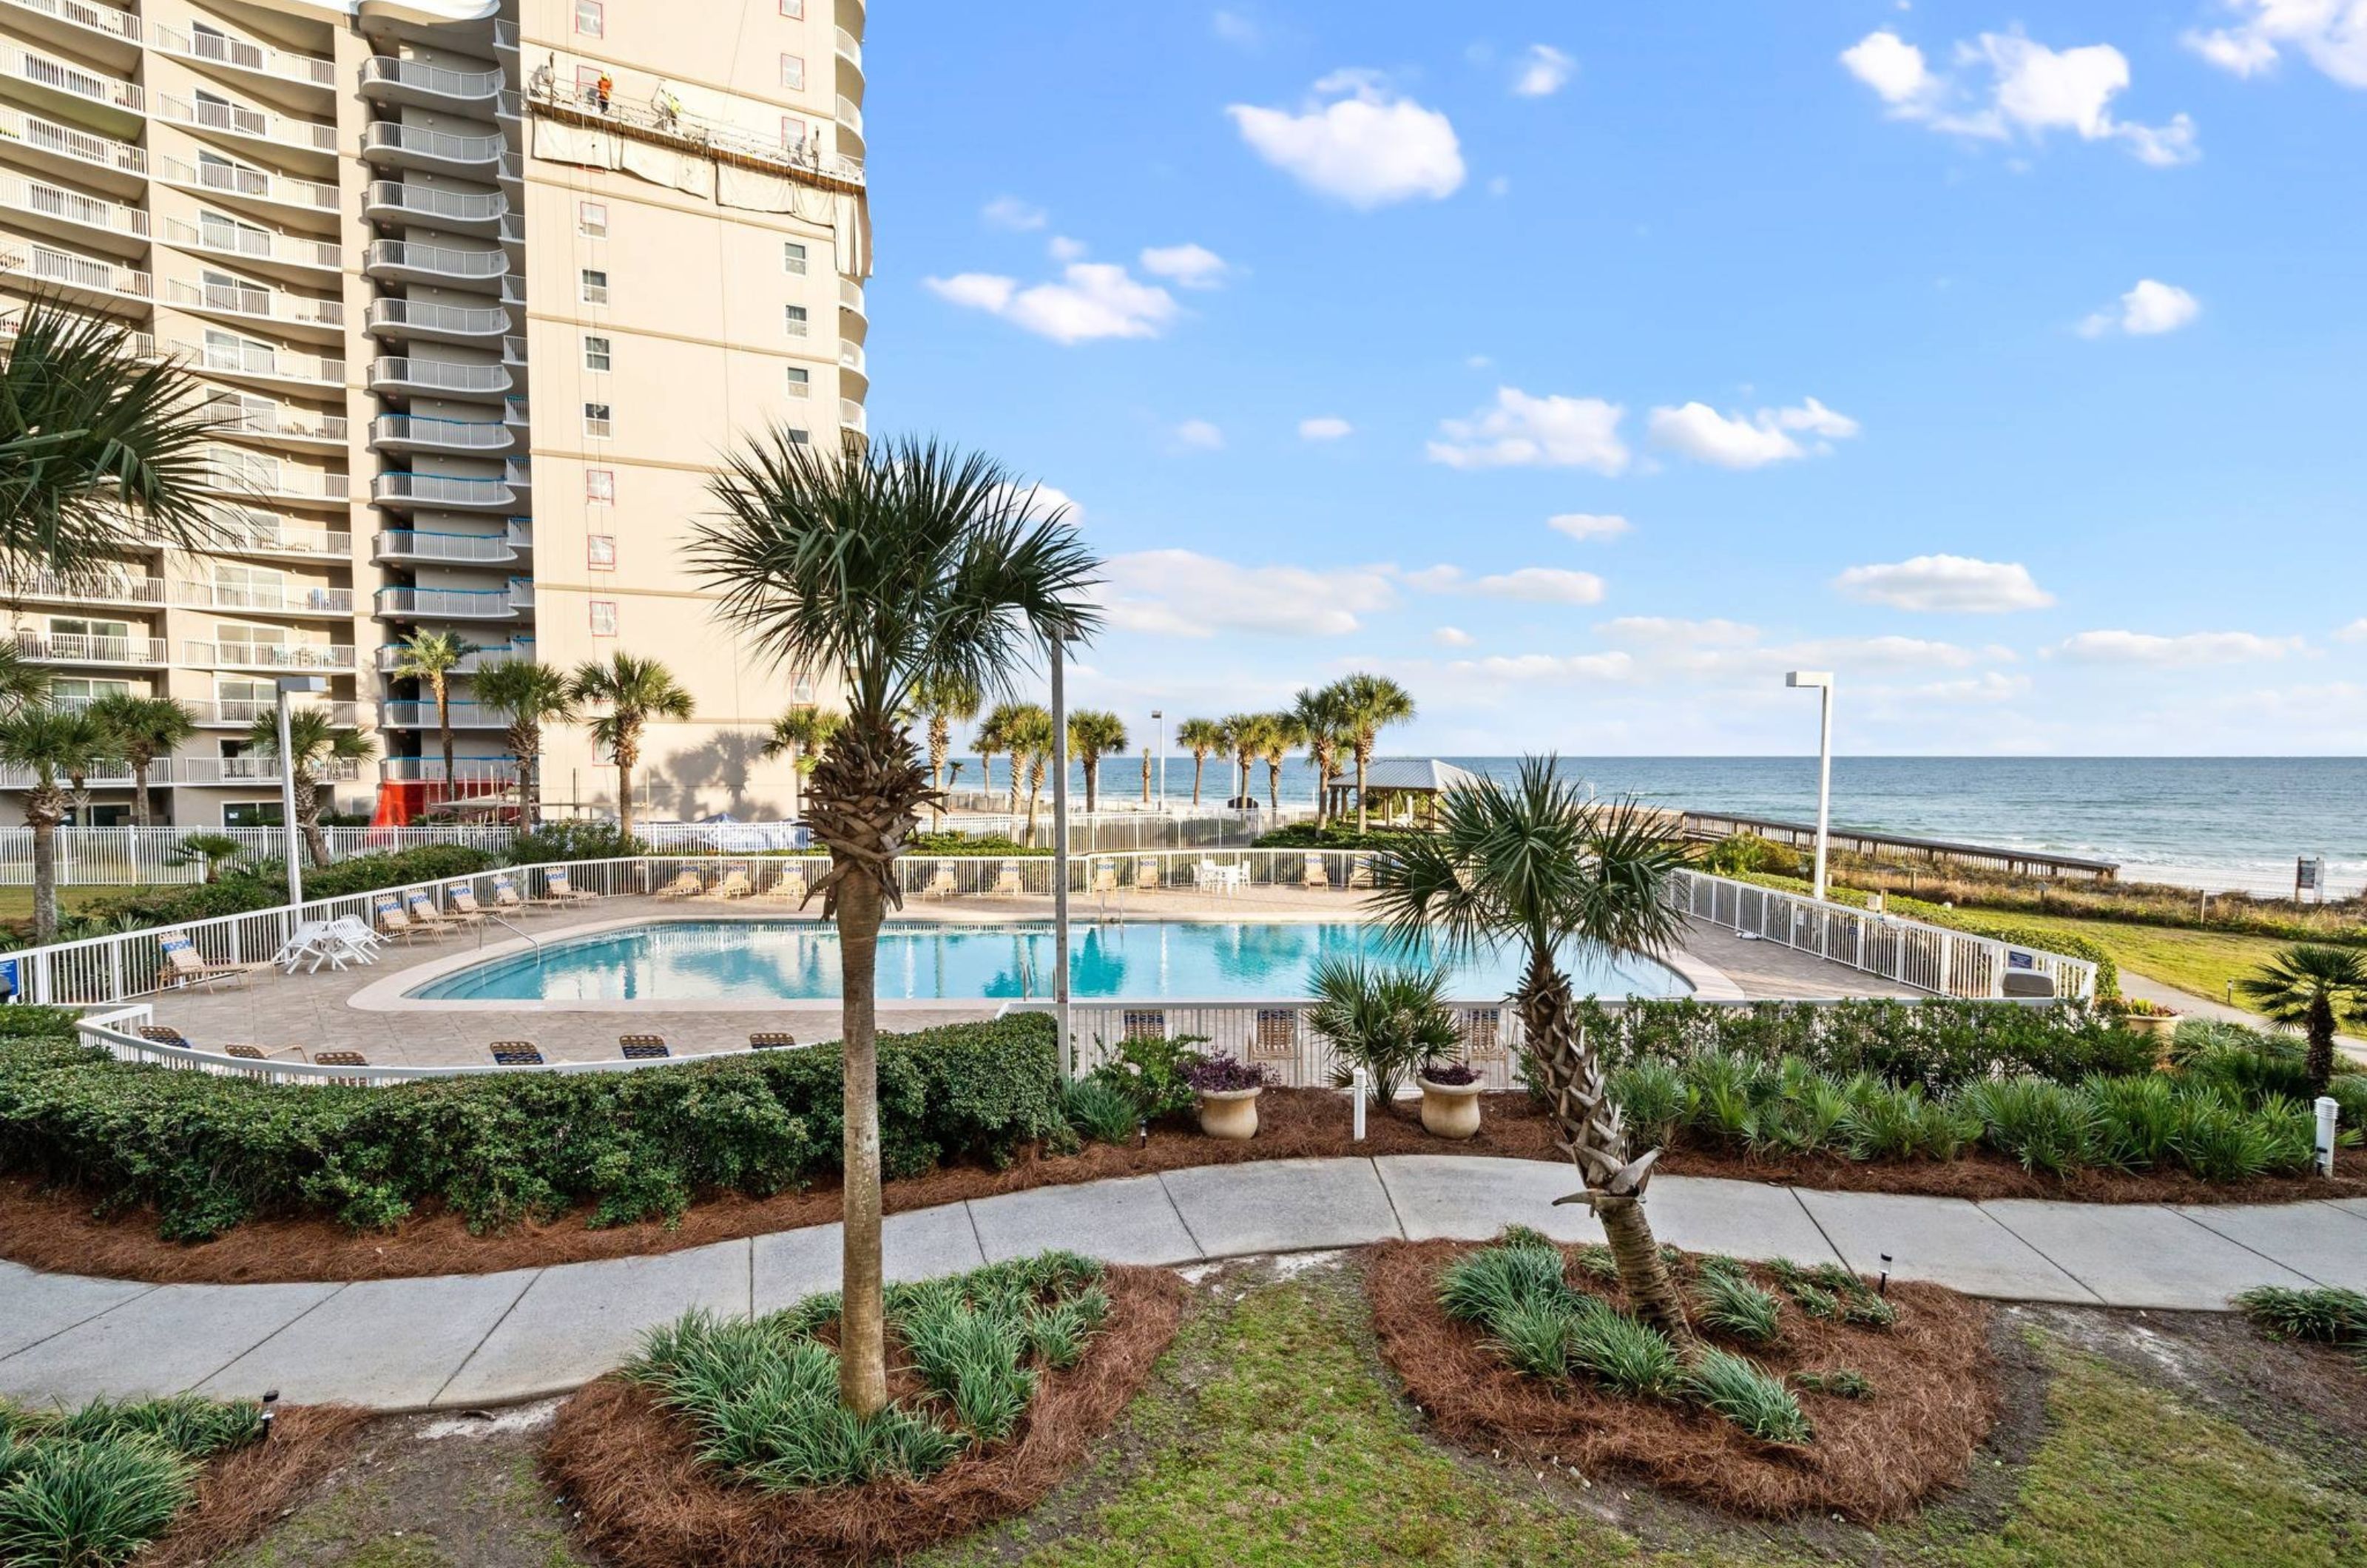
pixel 437 262
pixel 106 20
pixel 475 662
pixel 255 768
pixel 46 71
pixel 257 359
pixel 850 296
pixel 72 207
pixel 446 205
pixel 412 544
pixel 266 600
pixel 76 648
pixel 849 355
pixel 69 270
pixel 256 243
pixel 852 417
pixel 111 588
pixel 381 70
pixel 454 321
pixel 240 120
pixel 850 48
pixel 65 141
pixel 287 65
pixel 422 716
pixel 849 116
pixel 438 489
pixel 236 419
pixel 443 376
pixel 232 713
pixel 259 304
pixel 259 533
pixel 236 179
pixel 446 604
pixel 268 656
pixel 465 769
pixel 387 137
pixel 445 434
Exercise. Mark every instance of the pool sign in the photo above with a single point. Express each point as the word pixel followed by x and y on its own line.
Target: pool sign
pixel 2309 876
pixel 2015 958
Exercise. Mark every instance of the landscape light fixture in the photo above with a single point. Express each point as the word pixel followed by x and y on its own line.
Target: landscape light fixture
pixel 1822 682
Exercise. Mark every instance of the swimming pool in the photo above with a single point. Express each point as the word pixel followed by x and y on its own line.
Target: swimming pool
pixel 774 961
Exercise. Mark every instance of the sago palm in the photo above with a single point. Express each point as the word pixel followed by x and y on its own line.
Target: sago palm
pixel 1368 705
pixel 2314 989
pixel 315 748
pixel 889 566
pixel 1202 737
pixel 211 850
pixel 1095 733
pixel 1536 865
pixel 55 748
pixel 530 696
pixel 634 690
pixel 1322 723
pixel 430 659
pixel 141 730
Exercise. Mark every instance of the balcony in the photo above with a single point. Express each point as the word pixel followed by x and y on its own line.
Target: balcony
pixel 100 32
pixel 852 417
pixel 475 662
pixel 316 656
pixel 850 47
pixel 398 377
pixel 102 101
pixel 280 133
pixel 101 159
pixel 386 79
pixel 402 491
pixel 109 773
pixel 465 769
pixel 462 212
pixel 247 599
pixel 74 647
pixel 83 280
pixel 414 432
pixel 72 215
pixel 258 248
pixel 850 120
pixel 851 358
pixel 242 531
pixel 92 588
pixel 280 424
pixel 402 261
pixel 422 716
pixel 235 714
pixel 259 362
pixel 257 65
pixel 400 544
pixel 444 605
pixel 255 769
pixel 393 146
pixel 321 319
pixel 854 320
pixel 240 182
pixel 518 475
pixel 260 478
pixel 437 323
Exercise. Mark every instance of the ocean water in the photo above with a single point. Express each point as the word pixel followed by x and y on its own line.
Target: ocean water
pixel 2209 822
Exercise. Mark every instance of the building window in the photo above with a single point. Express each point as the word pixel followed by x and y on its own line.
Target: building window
pixel 795 10
pixel 793 258
pixel 793 134
pixel 587 83
pixel 592 220
pixel 590 18
pixel 799 438
pixel 800 381
pixel 596 286
pixel 793 72
pixel 603 617
pixel 596 420
pixel 600 486
pixel 600 552
pixel 595 351
pixel 794 319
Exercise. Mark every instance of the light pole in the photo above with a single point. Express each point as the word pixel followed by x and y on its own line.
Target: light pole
pixel 1060 863
pixel 1822 680
pixel 1159 730
pixel 284 688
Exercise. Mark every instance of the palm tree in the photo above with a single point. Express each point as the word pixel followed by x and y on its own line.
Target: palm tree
pixel 530 696
pixel 1031 736
pixel 1005 732
pixel 941 704
pixel 1200 737
pixel 988 742
pixel 892 563
pixel 1095 733
pixel 314 746
pixel 1534 864
pixel 1243 732
pixel 55 748
pixel 430 657
pixel 2314 987
pixel 634 690
pixel 799 735
pixel 1368 705
pixel 212 850
pixel 1278 733
pixel 140 730
pixel 94 434
pixel 23 683
pixel 1323 728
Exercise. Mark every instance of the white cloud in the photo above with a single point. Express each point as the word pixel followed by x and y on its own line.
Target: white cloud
pixel 1732 440
pixel 1092 299
pixel 1549 666
pixel 1183 593
pixel 1199 435
pixel 1010 212
pixel 1543 70
pixel 1042 501
pixel 1989 687
pixel 2152 307
pixel 1324 427
pixel 2355 632
pixel 1542 585
pixel 2330 34
pixel 1368 149
pixel 1233 28
pixel 1584 525
pixel 1958 584
pixel 1520 431
pixel 2030 91
pixel 1062 248
pixel 1453 637
pixel 2191 648
pixel 1193 266
pixel 1665 630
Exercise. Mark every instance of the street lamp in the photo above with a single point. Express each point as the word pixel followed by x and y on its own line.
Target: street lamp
pixel 1159 729
pixel 1065 1047
pixel 1822 680
pixel 286 687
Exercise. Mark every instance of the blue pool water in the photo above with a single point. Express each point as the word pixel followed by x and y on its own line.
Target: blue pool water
pixel 760 961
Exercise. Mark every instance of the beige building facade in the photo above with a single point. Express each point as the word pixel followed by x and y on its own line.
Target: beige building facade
pixel 481 292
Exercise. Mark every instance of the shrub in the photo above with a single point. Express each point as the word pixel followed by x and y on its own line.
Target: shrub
pixel 210 1153
pixel 1390 1021
pixel 1488 1286
pixel 1746 1396
pixel 1150 1068
pixel 578 840
pixel 1841 1383
pixel 1656 1100
pixel 90 1505
pixel 1732 1305
pixel 1001 845
pixel 1100 1110
pixel 2044 1126
pixel 265 885
pixel 1622 1354
pixel 2326 1313
pixel 1226 1075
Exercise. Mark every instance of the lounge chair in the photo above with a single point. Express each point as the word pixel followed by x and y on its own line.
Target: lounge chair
pixel 687 883
pixel 464 901
pixel 1359 872
pixel 1105 878
pixel 941 882
pixel 424 910
pixel 735 884
pixel 184 965
pixel 1277 1034
pixel 789 886
pixel 1007 883
pixel 772 1040
pixel 1315 877
pixel 1145 1023
pixel 642 1048
pixel 166 1035
pixel 506 896
pixel 393 923
pixel 1146 874
pixel 516 1054
pixel 558 887
pixel 257 1054
pixel 342 1059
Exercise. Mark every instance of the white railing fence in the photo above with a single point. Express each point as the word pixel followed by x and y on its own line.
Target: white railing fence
pixel 1276 1035
pixel 142 857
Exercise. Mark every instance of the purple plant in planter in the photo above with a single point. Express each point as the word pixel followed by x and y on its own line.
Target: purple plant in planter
pixel 1451 1074
pixel 1226 1075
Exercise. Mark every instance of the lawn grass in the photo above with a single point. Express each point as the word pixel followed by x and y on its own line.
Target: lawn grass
pixel 2198 963
pixel 16 903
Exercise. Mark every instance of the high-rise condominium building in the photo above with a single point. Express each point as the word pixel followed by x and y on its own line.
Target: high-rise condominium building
pixel 480 291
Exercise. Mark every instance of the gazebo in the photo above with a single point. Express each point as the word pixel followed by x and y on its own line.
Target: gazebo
pixel 1398 788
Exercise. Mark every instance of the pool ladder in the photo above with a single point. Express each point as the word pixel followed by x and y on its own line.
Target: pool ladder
pixel 496 919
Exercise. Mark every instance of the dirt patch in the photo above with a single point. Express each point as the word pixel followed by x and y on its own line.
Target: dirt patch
pixel 56 1230
pixel 243 1493
pixel 1934 1398
pixel 645 1501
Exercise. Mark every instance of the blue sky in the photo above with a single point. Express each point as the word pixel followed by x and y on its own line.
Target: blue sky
pixel 2008 363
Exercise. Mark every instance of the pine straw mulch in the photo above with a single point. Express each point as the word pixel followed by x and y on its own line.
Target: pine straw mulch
pixel 243 1493
pixel 645 1501
pixel 1935 1395
pixel 56 1231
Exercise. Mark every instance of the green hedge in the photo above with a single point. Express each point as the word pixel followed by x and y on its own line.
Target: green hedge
pixel 209 1153
pixel 1340 834
pixel 264 886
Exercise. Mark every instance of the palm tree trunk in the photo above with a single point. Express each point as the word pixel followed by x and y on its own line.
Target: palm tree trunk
pixel 308 817
pixel 1363 755
pixel 1035 790
pixel 1273 786
pixel 444 729
pixel 862 1331
pixel 1322 781
pixel 626 755
pixel 1092 783
pixel 43 816
pixel 139 792
pixel 1200 764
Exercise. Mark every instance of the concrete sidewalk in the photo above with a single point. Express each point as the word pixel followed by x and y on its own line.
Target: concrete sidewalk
pixel 480 1339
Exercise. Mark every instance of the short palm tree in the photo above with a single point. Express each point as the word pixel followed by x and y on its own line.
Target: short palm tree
pixel 2315 988
pixel 941 704
pixel 1537 864
pixel 1278 736
pixel 530 695
pixel 212 850
pixel 1004 732
pixel 1322 723
pixel 1392 1022
pixel 799 735
pixel 430 659
pixel 634 690
pixel 55 748
pixel 1201 737
pixel 1095 733
pixel 141 730
pixel 315 746
pixel 892 565
pixel 1368 705
pixel 96 435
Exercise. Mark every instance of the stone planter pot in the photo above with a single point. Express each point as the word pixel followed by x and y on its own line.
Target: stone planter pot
pixel 1229 1112
pixel 2157 1024
pixel 1450 1110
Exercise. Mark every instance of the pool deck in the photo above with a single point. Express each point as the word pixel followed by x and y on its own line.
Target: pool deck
pixel 331 1011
